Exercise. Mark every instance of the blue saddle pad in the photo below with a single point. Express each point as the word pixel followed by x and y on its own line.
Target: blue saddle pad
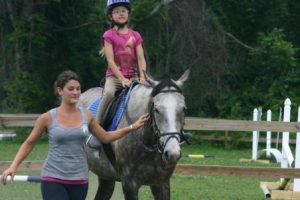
pixel 94 106
pixel 120 108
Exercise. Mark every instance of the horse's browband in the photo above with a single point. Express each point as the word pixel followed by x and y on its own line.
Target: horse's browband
pixel 163 84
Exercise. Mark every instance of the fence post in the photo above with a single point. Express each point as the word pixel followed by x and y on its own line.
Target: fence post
pixel 278 133
pixel 286 151
pixel 226 139
pixel 297 157
pixel 255 136
pixel 268 138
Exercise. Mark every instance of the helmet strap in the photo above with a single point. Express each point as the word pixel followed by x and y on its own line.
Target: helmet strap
pixel 119 25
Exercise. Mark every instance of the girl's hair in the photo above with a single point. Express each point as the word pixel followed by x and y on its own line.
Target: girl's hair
pixel 101 52
pixel 63 78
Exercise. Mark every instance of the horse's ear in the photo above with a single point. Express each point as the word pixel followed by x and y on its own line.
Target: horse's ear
pixel 183 77
pixel 150 79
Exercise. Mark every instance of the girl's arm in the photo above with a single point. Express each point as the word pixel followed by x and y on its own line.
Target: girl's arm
pixel 109 54
pixel 39 128
pixel 141 61
pixel 107 137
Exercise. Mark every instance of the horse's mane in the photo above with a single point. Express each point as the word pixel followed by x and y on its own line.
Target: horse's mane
pixel 166 82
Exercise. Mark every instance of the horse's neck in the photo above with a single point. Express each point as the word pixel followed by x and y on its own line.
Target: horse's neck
pixel 138 102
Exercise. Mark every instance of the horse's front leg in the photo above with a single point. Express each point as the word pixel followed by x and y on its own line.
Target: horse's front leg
pixel 130 189
pixel 105 189
pixel 161 192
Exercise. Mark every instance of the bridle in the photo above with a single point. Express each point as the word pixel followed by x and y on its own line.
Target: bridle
pixel 157 133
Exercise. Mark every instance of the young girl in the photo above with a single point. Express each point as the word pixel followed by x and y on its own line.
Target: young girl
pixel 123 51
pixel 65 171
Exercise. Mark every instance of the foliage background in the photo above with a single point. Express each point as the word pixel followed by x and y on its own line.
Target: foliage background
pixel 243 53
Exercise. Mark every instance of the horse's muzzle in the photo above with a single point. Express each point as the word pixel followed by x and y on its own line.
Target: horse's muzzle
pixel 172 157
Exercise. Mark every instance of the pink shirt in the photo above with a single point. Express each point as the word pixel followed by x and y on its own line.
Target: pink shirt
pixel 124 47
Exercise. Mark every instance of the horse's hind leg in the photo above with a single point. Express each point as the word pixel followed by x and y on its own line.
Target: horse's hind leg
pixel 105 189
pixel 161 192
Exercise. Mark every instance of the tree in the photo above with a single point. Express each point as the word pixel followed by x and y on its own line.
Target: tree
pixel 268 77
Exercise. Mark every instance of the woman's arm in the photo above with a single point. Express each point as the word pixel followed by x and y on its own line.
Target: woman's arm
pixel 39 128
pixel 107 137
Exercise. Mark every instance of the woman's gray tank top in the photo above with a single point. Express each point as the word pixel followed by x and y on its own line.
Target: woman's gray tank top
pixel 66 158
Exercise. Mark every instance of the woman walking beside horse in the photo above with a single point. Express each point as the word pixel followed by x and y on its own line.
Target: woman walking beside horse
pixel 65 171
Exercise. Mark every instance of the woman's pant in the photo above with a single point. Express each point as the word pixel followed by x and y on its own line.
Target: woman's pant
pixel 59 191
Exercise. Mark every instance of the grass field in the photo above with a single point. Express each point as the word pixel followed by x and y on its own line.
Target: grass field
pixel 182 187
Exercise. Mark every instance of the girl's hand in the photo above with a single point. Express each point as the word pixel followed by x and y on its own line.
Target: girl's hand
pixel 140 122
pixel 6 173
pixel 142 80
pixel 126 82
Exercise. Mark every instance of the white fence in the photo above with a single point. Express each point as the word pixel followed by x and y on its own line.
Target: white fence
pixel 202 124
pixel 285 157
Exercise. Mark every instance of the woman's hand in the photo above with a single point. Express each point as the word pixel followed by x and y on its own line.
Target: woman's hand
pixel 140 122
pixel 8 172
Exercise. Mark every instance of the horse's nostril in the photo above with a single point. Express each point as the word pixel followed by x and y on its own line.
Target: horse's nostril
pixel 166 155
pixel 172 157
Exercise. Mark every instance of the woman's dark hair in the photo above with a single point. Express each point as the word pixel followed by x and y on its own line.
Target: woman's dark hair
pixel 65 77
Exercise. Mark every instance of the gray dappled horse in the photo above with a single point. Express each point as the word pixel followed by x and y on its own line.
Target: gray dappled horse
pixel 149 155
